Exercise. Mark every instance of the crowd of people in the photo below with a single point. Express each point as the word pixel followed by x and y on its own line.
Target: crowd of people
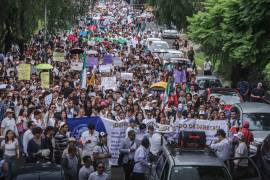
pixel 35 131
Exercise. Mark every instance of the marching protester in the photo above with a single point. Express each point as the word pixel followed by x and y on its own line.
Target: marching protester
pixel 141 161
pixel 126 156
pixel 70 164
pixel 99 174
pixel 89 140
pixel 61 142
pixel 86 169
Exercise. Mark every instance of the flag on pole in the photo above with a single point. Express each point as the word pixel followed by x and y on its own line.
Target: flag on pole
pixel 166 95
pixel 83 73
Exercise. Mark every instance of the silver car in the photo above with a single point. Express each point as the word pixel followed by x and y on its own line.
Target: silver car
pixel 205 82
pixel 172 34
pixel 258 116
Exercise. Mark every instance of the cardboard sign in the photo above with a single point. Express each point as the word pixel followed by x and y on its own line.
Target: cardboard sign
pixel 76 66
pixel 127 76
pixel 58 56
pixel 108 83
pixel 108 59
pixel 45 79
pixel 117 61
pixel 24 71
pixel 105 68
pixel 91 61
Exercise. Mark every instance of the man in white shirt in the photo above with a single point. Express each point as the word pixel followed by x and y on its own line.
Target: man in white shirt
pixel 222 147
pixel 155 145
pixel 207 66
pixel 27 136
pixel 89 140
pixel 99 174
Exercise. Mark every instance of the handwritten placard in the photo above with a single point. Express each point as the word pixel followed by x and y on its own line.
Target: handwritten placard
pixel 24 71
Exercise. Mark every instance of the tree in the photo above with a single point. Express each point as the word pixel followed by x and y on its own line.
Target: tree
pixel 175 12
pixel 21 18
pixel 236 32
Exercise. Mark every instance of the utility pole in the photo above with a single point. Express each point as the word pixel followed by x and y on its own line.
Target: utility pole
pixel 45 19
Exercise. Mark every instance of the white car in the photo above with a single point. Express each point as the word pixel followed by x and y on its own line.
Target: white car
pixel 172 34
pixel 172 53
pixel 148 40
pixel 159 47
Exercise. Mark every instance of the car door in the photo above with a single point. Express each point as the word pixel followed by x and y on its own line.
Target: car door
pixel 251 172
pixel 158 167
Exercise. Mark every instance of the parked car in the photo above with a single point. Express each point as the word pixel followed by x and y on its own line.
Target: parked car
pixel 159 47
pixel 229 96
pixel 198 163
pixel 205 82
pixel 172 53
pixel 41 171
pixel 258 116
pixel 148 40
pixel 172 34
pixel 183 62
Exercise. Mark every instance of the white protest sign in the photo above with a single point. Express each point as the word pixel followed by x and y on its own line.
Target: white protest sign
pixel 127 76
pixel 48 100
pixel 76 66
pixel 108 83
pixel 116 134
pixel 105 68
pixel 209 127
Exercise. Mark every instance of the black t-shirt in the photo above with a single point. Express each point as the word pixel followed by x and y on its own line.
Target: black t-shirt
pixel 258 92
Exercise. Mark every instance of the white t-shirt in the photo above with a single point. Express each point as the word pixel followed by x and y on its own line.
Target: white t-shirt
pixel 10 148
pixel 89 147
pixel 207 66
pixel 9 124
pixel 242 151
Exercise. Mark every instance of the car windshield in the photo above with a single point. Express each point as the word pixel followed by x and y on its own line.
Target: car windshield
pixel 208 83
pixel 199 173
pixel 160 46
pixel 229 98
pixel 258 121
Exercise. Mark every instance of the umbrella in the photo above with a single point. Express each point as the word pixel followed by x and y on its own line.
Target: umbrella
pixel 76 50
pixel 72 38
pixel 159 86
pixel 44 66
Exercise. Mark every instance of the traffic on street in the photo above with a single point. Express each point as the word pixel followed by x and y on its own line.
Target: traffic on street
pixel 116 97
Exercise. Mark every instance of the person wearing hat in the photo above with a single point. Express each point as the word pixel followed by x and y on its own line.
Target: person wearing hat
pixel 102 152
pixel 132 126
pixel 258 93
pixel 89 140
pixel 241 150
pixel 247 133
pixel 9 123
pixel 73 142
pixel 61 141
pixel 222 146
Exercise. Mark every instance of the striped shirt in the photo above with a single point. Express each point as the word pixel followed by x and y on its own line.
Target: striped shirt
pixel 61 142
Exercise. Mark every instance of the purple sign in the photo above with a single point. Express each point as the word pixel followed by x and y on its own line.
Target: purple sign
pixel 91 61
pixel 108 59
pixel 180 76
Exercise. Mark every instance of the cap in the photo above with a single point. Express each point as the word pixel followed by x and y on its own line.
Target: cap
pixel 132 121
pixel 9 110
pixel 154 101
pixel 245 124
pixel 62 124
pixel 102 134
pixel 240 136
pixel 72 139
pixel 221 132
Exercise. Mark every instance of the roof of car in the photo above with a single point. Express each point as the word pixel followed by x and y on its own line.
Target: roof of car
pixel 159 42
pixel 254 107
pixel 196 158
pixel 170 30
pixel 220 90
pixel 206 77
pixel 173 51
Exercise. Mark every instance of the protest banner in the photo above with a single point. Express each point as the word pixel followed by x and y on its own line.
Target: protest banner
pixel 210 127
pixel 105 68
pixel 91 61
pixel 108 59
pixel 24 72
pixel 45 79
pixel 58 56
pixel 48 100
pixel 117 61
pixel 76 66
pixel 115 130
pixel 108 83
pixel 180 76
pixel 127 76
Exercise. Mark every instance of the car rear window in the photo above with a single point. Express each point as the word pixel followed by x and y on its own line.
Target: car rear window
pixel 199 173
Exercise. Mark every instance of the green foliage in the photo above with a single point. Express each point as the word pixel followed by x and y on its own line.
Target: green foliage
pixel 21 18
pixel 175 11
pixel 234 31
